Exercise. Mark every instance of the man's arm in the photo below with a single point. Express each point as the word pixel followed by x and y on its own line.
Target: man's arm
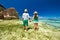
pixel 23 17
pixel 32 18
pixel 29 18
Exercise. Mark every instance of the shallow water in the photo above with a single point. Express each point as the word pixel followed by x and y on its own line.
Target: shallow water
pixel 54 23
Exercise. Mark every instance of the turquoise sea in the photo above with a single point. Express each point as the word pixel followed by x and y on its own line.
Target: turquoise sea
pixel 55 23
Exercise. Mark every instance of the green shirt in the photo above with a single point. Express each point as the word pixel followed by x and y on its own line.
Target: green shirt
pixel 35 18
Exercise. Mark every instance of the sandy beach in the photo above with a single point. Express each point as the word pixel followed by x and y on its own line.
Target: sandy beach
pixel 13 30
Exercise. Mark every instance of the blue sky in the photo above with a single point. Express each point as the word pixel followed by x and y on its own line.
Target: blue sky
pixel 45 8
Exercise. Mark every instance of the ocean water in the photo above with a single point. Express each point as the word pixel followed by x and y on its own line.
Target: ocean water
pixel 54 23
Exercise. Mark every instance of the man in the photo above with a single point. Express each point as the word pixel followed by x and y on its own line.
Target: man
pixel 25 18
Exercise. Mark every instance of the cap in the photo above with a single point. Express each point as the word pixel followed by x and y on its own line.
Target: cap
pixel 25 10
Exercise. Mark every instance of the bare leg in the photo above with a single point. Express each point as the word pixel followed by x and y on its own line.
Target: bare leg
pixel 26 28
pixel 35 26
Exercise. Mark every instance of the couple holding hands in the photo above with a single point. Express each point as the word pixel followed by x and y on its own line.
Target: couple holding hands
pixel 26 17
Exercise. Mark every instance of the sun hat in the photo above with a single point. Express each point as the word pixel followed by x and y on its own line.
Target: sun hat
pixel 35 12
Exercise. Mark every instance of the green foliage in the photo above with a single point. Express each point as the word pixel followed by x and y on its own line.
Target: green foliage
pixel 1 9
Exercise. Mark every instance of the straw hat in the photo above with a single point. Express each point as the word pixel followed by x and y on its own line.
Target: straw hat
pixel 35 12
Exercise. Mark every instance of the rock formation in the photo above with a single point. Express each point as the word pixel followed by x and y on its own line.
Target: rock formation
pixel 9 13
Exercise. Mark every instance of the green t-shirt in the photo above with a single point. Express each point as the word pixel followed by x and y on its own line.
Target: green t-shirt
pixel 35 20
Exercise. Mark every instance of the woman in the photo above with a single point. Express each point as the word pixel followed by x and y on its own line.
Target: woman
pixel 35 19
